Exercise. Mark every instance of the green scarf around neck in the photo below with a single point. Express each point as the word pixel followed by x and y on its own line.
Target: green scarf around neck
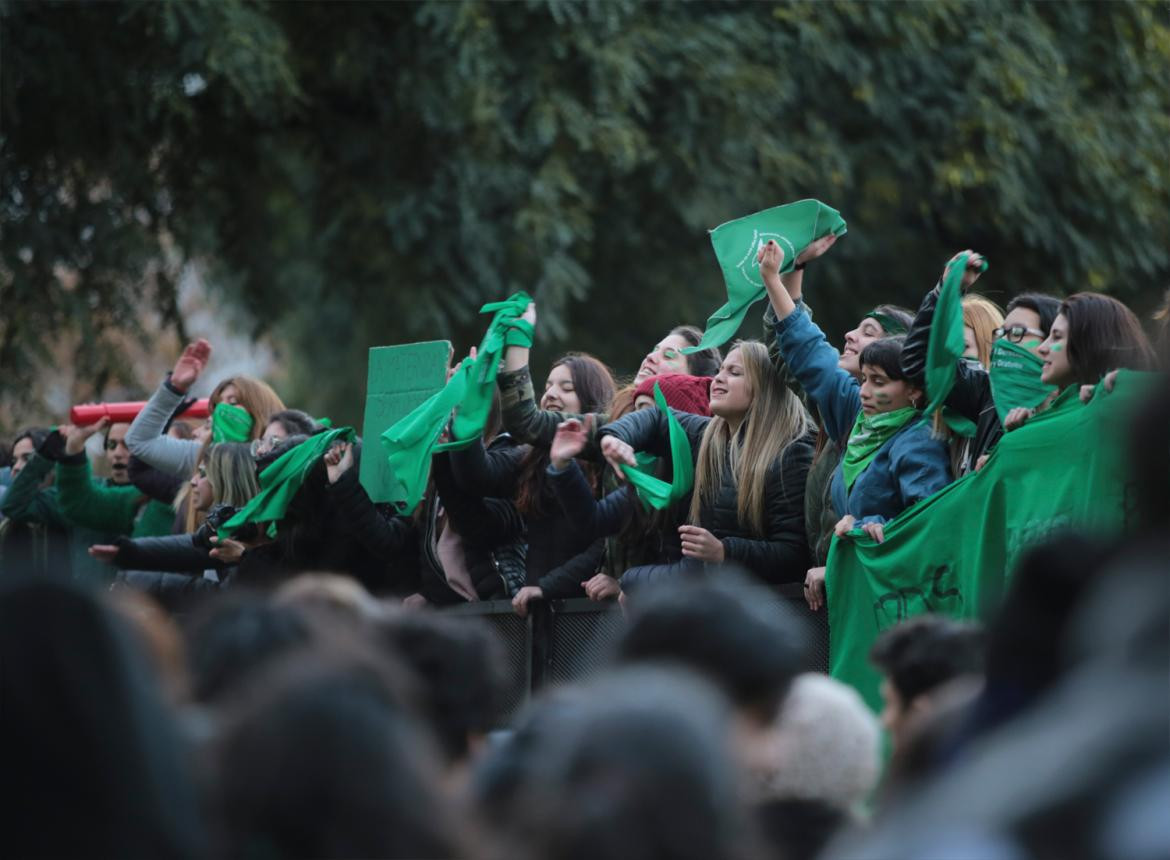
pixel 869 433
pixel 1015 378
pixel 655 492
pixel 230 423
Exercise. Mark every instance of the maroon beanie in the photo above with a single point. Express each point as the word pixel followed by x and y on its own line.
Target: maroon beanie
pixel 684 393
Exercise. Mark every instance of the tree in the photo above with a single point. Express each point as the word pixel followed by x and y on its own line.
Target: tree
pixel 362 174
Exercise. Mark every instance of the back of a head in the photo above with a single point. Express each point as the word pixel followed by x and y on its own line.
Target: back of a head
pixel 923 653
pixel 320 758
pixel 295 422
pixel 640 770
pixel 232 637
pixel 734 633
pixel 459 667
pixel 91 754
pixel 828 745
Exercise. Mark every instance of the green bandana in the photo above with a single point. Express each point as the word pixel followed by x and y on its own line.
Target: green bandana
pixel 869 433
pixel 654 492
pixel 946 345
pixel 1015 378
pixel 794 227
pixel 410 442
pixel 889 324
pixel 281 480
pixel 230 424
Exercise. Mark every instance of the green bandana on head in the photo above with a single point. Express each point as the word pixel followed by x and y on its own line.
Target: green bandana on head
pixel 655 492
pixel 230 423
pixel 869 433
pixel 890 325
pixel 793 227
pixel 1015 378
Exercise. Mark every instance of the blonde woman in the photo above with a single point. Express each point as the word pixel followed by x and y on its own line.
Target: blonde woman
pixel 982 318
pixel 751 460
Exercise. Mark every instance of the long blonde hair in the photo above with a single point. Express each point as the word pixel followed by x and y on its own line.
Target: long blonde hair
pixel 983 316
pixel 775 419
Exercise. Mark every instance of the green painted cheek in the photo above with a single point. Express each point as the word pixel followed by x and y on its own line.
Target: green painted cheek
pixel 881 399
pixel 1056 347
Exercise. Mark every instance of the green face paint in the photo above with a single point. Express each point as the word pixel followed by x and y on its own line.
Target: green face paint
pixel 1015 378
pixel 1056 347
pixel 230 424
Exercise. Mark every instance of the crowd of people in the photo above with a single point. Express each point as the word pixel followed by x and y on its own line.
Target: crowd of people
pixel 191 682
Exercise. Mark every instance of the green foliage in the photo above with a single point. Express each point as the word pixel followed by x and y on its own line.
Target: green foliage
pixel 360 174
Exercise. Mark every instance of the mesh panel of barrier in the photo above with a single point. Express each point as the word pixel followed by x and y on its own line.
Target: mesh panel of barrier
pixel 582 638
pixel 515 634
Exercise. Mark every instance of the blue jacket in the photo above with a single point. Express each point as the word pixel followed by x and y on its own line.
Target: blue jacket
pixel 909 467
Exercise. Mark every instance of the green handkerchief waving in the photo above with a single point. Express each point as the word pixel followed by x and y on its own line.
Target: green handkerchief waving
pixel 411 442
pixel 281 480
pixel 655 492
pixel 793 226
pixel 945 347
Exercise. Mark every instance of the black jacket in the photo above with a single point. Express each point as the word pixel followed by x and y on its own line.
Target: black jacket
pixel 781 554
pixel 971 394
pixel 560 556
pixel 170 568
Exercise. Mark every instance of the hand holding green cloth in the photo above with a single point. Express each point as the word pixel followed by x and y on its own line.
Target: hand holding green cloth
pixel 281 480
pixel 230 423
pixel 954 552
pixel 793 226
pixel 411 442
pixel 655 492
pixel 1015 378
pixel 869 433
pixel 946 345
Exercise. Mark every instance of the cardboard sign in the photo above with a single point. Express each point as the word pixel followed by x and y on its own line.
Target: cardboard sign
pixel 400 378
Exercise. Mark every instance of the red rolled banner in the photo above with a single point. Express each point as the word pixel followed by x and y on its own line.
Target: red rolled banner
pixel 124 413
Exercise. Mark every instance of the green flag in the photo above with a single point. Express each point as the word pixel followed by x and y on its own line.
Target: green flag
pixel 952 553
pixel 410 442
pixel 655 492
pixel 281 480
pixel 399 380
pixel 946 345
pixel 794 227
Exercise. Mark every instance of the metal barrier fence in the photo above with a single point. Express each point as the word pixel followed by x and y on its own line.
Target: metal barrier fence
pixel 565 640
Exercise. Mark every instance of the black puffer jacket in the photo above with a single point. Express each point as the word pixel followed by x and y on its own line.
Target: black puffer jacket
pixel 170 568
pixel 781 554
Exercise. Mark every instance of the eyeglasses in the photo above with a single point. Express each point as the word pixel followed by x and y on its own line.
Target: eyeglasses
pixel 1015 333
pixel 263 446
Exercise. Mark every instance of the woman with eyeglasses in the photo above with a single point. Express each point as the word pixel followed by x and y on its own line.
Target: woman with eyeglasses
pixel 1012 370
pixel 1092 335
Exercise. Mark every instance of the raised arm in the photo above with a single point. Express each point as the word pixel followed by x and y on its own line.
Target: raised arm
pixel 27 502
pixel 971 393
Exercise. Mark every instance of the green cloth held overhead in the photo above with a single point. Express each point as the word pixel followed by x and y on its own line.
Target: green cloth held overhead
pixel 793 226
pixel 953 552
pixel 946 345
pixel 1015 378
pixel 869 433
pixel 281 480
pixel 411 442
pixel 230 423
pixel 655 492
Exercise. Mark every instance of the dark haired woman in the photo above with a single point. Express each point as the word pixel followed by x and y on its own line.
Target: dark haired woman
pixel 1014 368
pixel 557 552
pixel 891 459
pixel 537 426
pixel 1092 335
